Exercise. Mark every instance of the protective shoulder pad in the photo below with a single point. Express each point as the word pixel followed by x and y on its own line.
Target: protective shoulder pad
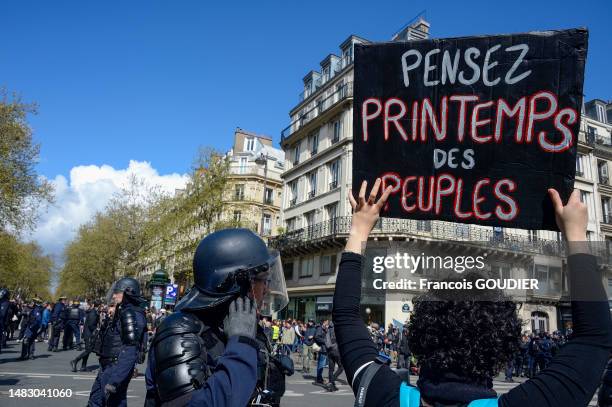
pixel 180 352
pixel 131 330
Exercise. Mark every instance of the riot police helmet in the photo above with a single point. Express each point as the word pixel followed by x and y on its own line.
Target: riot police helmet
pixel 227 264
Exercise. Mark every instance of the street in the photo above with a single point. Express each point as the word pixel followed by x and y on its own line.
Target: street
pixel 51 372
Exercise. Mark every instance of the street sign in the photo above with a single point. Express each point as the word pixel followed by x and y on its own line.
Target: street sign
pixel 171 292
pixel 472 129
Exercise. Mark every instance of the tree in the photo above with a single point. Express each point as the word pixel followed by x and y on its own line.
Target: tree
pixel 23 268
pixel 21 189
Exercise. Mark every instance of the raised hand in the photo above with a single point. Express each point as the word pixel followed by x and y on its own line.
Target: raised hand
pixel 365 214
pixel 572 218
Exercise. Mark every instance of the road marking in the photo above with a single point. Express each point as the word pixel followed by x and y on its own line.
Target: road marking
pixel 49 375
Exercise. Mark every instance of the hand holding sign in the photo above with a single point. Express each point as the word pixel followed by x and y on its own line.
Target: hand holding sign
pixel 572 218
pixel 365 214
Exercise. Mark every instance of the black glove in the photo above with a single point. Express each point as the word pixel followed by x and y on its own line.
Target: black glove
pixel 242 319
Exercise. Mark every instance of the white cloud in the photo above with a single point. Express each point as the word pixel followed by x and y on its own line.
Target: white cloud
pixel 88 191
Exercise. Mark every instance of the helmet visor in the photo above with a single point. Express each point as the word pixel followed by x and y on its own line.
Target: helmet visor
pixel 112 290
pixel 275 296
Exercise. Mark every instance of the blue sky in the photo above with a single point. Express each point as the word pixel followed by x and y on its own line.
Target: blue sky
pixel 152 80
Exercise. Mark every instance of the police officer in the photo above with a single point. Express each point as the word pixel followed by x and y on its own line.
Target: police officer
pixel 31 329
pixel 118 344
pixel 89 327
pixel 57 323
pixel 4 314
pixel 204 353
pixel 74 317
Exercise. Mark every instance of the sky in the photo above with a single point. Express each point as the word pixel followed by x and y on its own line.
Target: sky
pixel 136 86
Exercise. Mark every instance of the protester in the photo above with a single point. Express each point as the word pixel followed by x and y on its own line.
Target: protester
pixel 333 358
pixel 319 338
pixel 307 350
pixel 288 338
pixel 403 360
pixel 458 369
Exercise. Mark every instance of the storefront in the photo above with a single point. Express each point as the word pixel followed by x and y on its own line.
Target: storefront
pixel 303 308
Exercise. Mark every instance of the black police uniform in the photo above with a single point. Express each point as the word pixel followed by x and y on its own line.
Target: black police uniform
pixel 31 329
pixel 57 325
pixel 92 318
pixel 118 345
pixel 5 307
pixel 189 347
pixel 74 317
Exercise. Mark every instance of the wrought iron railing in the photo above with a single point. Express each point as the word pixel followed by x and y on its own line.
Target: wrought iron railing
pixel 437 230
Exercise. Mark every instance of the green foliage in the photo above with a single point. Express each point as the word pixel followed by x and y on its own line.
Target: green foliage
pixel 23 268
pixel 21 189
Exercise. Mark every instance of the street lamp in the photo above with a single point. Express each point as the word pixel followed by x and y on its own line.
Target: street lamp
pixel 263 160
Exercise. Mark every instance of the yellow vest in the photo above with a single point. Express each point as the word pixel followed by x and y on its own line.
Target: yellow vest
pixel 275 332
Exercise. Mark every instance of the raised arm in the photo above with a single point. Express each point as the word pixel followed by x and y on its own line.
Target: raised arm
pixel 574 374
pixel 356 348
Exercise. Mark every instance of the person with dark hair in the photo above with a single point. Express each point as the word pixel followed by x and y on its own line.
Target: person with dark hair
pixel 211 351
pixel 403 359
pixel 319 339
pixel 462 344
pixel 74 317
pixel 333 358
pixel 92 318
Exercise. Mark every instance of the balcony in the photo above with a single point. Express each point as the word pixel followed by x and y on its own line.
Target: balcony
pixel 312 194
pixel 339 227
pixel 341 94
pixel 579 173
pixel 607 218
pixel 268 201
pixel 238 197
pixel 333 185
pixel 293 202
pixel 314 151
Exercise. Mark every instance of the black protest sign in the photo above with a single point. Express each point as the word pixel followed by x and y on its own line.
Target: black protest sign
pixel 472 129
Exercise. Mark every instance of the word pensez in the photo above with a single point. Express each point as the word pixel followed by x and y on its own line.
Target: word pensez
pixel 472 129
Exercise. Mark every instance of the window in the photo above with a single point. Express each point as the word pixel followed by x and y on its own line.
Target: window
pixel 332 210
pixel 601 113
pixel 579 167
pixel 347 55
pixel 288 271
pixel 337 127
pixel 267 224
pixel 268 196
pixel 328 264
pixel 237 216
pixel 239 192
pixel 606 210
pixel 249 144
pixel 602 171
pixel 584 196
pixel 334 171
pixel 296 154
pixel 591 134
pixel 310 218
pixel 293 187
pixel 539 322
pixel 314 143
pixel 243 165
pixel 307 88
pixel 501 271
pixel 312 182
pixel 290 224
pixel 307 267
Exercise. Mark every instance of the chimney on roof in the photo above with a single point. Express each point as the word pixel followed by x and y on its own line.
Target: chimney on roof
pixel 418 30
